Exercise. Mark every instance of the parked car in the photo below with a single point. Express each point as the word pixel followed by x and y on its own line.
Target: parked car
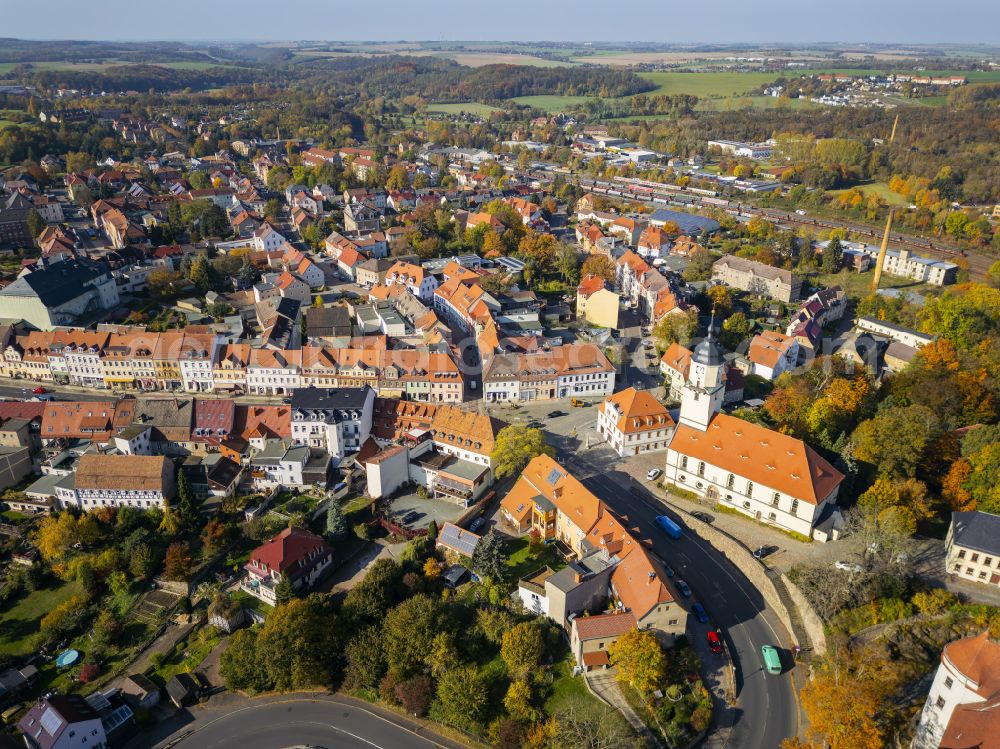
pixel 764 551
pixel 556 414
pixel 703 517
pixel 39 390
pixel 683 588
pixel 713 641
pixel 477 524
pixel 699 611
pixel 843 566
pixel 669 570
pixel 652 473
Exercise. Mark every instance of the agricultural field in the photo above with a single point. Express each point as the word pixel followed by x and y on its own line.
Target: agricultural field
pixel 479 59
pixel 483 110
pixel 551 103
pixel 973 76
pixel 705 85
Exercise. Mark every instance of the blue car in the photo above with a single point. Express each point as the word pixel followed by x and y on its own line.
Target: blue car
pixel 683 588
pixel 699 611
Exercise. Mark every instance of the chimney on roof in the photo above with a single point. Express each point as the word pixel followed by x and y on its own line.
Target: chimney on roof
pixel 651 576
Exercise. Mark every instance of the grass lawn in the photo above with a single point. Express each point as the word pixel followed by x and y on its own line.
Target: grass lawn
pixel 878 188
pixel 564 686
pixel 521 562
pixel 858 285
pixel 187 655
pixel 724 83
pixel 19 622
pixel 470 107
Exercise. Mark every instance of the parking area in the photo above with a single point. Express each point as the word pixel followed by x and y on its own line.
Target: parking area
pixel 411 511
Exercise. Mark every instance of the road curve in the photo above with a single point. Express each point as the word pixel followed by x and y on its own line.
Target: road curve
pixel 766 710
pixel 302 721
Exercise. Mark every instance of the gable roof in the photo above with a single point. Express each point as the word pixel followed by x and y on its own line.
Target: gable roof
pixel 976 530
pixel 458 539
pixel 637 410
pixel 123 472
pixel 287 552
pixel 604 625
pixel 761 455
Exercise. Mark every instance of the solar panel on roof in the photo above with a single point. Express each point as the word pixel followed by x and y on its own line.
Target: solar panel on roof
pixel 554 476
pixel 51 721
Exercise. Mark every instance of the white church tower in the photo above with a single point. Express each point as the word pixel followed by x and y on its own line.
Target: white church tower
pixel 705 389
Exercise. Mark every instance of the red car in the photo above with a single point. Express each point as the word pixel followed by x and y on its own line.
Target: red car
pixel 713 642
pixel 39 390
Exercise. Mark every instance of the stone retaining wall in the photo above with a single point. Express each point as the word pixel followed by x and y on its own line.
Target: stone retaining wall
pixel 756 573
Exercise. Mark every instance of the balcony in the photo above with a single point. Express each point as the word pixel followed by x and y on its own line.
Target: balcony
pixel 452 488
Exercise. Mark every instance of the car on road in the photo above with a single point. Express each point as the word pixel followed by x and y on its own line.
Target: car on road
pixel 535 424
pixel 39 390
pixel 477 524
pixel 669 570
pixel 556 414
pixel 714 643
pixel 699 611
pixel 669 526
pixel 772 659
pixel 652 473
pixel 683 588
pixel 703 517
pixel 843 566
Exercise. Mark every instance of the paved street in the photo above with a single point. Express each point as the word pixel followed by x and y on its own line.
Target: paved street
pixel 330 721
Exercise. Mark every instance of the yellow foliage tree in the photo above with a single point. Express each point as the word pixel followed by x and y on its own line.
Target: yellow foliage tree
pixel 640 660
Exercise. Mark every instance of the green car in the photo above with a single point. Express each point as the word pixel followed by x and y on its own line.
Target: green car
pixel 772 660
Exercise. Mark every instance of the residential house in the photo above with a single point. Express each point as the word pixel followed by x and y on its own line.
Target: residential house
pixel 757 278
pixel 634 422
pixel 337 421
pixel 893 332
pixel 772 354
pixel 360 218
pixel 297 554
pixel 972 548
pixel 140 481
pixel 597 303
pixel 416 280
pixel 279 465
pixel 920 269
pixel 63 721
pixel 675 365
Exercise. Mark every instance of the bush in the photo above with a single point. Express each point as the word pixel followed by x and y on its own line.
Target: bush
pixel 362 531
pixel 415 694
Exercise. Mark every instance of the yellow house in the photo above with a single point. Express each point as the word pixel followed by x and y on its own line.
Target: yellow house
pixel 597 303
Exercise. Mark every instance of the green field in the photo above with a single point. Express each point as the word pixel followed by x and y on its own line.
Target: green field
pixel 881 189
pixel 706 84
pixel 467 107
pixel 552 103
pixel 20 622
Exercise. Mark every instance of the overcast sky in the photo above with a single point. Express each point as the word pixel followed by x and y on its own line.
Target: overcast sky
pixel 907 21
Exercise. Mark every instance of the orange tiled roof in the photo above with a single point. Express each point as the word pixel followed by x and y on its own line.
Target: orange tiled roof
pixel 638 411
pixel 761 455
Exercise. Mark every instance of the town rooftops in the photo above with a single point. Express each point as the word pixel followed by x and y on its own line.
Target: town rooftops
pixel 604 625
pixel 768 347
pixel 759 269
pixel 636 410
pixel 56 283
pixel 591 285
pixel 976 530
pixel 49 718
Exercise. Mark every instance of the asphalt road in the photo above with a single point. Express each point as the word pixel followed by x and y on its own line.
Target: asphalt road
pixel 296 722
pixel 766 711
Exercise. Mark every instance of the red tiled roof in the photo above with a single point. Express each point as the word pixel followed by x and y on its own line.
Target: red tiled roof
pixel 604 625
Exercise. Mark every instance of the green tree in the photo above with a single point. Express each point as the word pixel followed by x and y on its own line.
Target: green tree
pixel 284 591
pixel 833 255
pixel 188 506
pixel 36 224
pixel 240 666
pixel 298 644
pixel 895 439
pixel 993 274
pixel 409 630
pixel 398 179
pixel 366 663
pixel 336 523
pixel 735 329
pixel 675 328
pixel 200 274
pixel 141 563
pixel 462 696
pixel 378 591
pixel 515 447
pixel 490 557
pixel 521 649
